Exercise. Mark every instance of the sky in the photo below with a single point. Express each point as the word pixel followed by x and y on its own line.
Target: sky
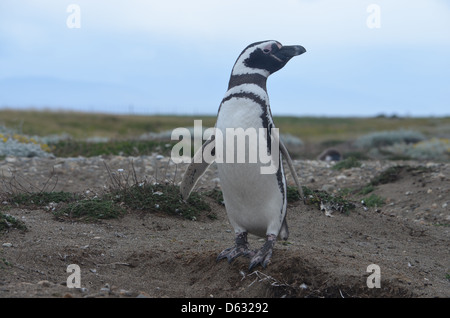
pixel 364 58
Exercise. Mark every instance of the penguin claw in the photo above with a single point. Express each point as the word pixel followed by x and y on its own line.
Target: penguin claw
pixel 264 255
pixel 241 248
pixel 262 258
pixel 232 253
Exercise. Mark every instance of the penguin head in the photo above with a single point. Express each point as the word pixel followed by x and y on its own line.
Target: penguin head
pixel 265 58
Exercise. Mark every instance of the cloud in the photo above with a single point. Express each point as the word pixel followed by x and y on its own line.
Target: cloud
pixel 319 22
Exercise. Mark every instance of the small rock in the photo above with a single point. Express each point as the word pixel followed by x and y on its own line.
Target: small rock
pixel 10 159
pixel 216 181
pixel 328 188
pixel 124 292
pixel 44 283
pixel 7 244
pixel 143 295
pixel 5 172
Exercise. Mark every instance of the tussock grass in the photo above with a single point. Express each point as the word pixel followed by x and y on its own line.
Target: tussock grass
pixel 161 197
pixel 42 198
pixel 90 210
pixel 9 222
pixel 310 129
pixel 350 162
pixel 125 194
pixel 74 148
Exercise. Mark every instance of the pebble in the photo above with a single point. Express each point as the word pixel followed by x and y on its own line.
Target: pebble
pixel 7 244
pixel 5 171
pixel 328 188
pixel 44 283
pixel 124 292
pixel 10 159
pixel 106 288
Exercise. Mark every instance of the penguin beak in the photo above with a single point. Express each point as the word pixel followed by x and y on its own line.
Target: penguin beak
pixel 288 52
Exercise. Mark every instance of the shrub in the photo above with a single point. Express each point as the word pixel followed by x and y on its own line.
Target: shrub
pixel 433 149
pixel 373 201
pixel 160 197
pixel 16 144
pixel 348 163
pixel 7 221
pixel 90 210
pixel 388 138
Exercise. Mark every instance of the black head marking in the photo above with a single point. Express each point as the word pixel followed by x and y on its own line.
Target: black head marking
pixel 265 58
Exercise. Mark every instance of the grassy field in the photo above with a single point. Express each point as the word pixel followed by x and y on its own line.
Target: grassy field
pixel 309 129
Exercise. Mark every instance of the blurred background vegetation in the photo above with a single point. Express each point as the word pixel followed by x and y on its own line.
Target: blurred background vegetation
pixel 90 134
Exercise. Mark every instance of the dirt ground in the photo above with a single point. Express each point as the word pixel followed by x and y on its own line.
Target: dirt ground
pixel 150 255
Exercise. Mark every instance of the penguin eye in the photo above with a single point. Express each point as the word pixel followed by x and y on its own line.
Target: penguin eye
pixel 267 49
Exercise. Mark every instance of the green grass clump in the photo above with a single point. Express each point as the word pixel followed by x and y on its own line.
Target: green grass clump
pixel 216 195
pixel 350 162
pixel 7 222
pixel 90 210
pixel 373 201
pixel 74 148
pixel 389 175
pixel 367 189
pixel 4 263
pixel 292 194
pixel 159 197
pixel 42 198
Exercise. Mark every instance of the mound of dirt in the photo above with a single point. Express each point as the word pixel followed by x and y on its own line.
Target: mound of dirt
pixel 155 255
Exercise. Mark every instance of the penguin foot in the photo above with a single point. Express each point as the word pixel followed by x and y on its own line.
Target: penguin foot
pixel 241 248
pixel 264 255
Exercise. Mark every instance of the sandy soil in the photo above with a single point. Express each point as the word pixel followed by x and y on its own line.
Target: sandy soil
pixel 150 255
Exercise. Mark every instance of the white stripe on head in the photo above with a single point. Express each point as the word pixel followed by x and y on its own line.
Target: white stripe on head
pixel 241 69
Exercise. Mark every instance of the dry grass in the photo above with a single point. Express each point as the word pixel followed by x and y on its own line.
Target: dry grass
pixel 309 129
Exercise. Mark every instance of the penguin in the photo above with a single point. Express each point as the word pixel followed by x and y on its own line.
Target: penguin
pixel 255 202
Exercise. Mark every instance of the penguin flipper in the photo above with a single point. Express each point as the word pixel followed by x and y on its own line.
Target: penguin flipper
pixel 286 155
pixel 284 231
pixel 195 170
